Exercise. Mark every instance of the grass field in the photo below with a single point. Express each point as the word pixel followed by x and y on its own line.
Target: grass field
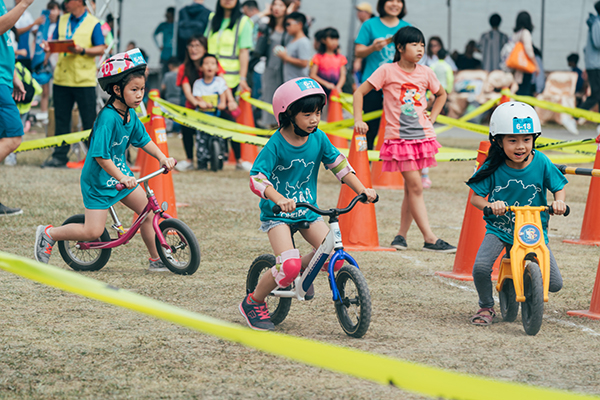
pixel 59 345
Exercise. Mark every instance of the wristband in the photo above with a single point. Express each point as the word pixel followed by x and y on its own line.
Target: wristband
pixel 243 78
pixel 82 52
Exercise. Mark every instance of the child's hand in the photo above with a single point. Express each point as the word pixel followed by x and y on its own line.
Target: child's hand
pixel 559 207
pixel 202 104
pixel 232 105
pixel 371 194
pixel 129 181
pixel 361 127
pixel 287 205
pixel 338 88
pixel 329 85
pixel 221 105
pixel 498 207
pixel 168 162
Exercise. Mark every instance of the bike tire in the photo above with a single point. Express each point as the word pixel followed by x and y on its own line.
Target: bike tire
pixel 509 307
pixel 278 307
pixel 353 310
pixel 532 309
pixel 216 156
pixel 184 258
pixel 83 260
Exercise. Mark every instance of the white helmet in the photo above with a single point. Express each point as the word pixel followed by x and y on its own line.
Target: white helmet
pixel 515 118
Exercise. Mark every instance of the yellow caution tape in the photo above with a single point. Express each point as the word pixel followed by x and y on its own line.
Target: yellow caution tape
pixel 476 112
pixel 409 376
pixel 53 141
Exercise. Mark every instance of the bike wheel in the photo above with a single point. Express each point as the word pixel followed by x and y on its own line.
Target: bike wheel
pixel 508 301
pixel 184 258
pixel 216 156
pixel 354 307
pixel 532 309
pixel 278 307
pixel 83 260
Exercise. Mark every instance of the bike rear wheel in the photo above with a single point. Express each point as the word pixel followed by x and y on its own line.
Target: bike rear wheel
pixel 278 307
pixel 216 155
pixel 509 307
pixel 83 260
pixel 532 309
pixel 184 257
pixel 353 309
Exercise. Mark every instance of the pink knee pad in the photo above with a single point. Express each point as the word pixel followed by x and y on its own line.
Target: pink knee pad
pixel 336 267
pixel 287 268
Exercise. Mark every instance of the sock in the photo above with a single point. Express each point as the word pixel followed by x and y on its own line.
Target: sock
pixel 46 231
pixel 151 259
pixel 252 299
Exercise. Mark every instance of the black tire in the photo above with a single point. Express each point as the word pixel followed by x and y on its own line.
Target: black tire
pixel 184 258
pixel 216 155
pixel 509 307
pixel 354 307
pixel 83 260
pixel 278 307
pixel 532 309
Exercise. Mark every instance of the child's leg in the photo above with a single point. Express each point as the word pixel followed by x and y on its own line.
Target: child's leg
pixel 406 218
pixel 137 201
pixel 95 222
pixel 556 281
pixel 488 252
pixel 416 204
pixel 281 241
pixel 314 235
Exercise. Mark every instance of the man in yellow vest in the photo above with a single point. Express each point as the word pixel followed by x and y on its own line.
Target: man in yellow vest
pixel 75 73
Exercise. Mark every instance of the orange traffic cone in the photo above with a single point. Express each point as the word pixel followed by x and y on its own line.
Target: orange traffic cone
pixel 504 98
pixel 471 235
pixel 162 185
pixel 335 114
pixel 380 179
pixel 594 311
pixel 359 226
pixel 590 228
pixel 249 151
pixel 140 159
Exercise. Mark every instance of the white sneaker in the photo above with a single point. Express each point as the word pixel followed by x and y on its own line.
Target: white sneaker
pixel 11 160
pixel 569 123
pixel 244 165
pixel 184 165
pixel 156 266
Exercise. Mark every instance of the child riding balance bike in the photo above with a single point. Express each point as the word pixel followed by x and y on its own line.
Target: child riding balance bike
pixel 285 172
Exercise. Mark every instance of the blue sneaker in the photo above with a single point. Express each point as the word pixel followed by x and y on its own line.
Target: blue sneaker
pixel 256 315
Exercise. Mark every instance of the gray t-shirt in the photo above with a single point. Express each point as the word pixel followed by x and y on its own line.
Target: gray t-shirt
pixel 301 49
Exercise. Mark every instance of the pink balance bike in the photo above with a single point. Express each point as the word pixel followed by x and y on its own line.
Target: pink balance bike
pixel 176 243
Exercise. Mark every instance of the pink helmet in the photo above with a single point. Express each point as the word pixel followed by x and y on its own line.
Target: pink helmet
pixel 292 91
pixel 115 68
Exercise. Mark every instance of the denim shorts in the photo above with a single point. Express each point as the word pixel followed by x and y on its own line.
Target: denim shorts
pixel 10 119
pixel 266 226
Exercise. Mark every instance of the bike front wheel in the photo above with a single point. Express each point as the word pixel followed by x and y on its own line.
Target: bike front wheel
pixel 184 257
pixel 216 155
pixel 278 307
pixel 83 260
pixel 532 309
pixel 353 309
pixel 509 307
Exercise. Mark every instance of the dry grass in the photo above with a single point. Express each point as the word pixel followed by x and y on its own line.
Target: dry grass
pixel 57 345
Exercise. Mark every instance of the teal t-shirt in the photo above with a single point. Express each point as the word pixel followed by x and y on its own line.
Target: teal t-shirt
pixel 293 172
pixel 110 139
pixel 7 55
pixel 373 29
pixel 519 187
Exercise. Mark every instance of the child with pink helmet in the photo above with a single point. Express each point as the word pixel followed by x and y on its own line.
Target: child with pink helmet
pixel 285 172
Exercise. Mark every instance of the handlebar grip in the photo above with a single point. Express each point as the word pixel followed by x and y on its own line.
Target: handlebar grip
pixel 376 199
pixel 487 211
pixel 276 209
pixel 119 186
pixel 567 212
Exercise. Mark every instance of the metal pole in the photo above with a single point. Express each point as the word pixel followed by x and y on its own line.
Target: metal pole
pixel 350 50
pixel 542 26
pixel 449 26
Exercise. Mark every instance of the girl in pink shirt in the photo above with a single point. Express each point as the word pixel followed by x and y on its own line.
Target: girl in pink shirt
pixel 409 144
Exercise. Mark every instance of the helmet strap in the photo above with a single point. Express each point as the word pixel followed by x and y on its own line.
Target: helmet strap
pixel 298 131
pixel 120 97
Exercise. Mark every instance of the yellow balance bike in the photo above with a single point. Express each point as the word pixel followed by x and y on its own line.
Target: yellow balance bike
pixel 524 277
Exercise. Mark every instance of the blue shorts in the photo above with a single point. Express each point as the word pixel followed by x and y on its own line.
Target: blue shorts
pixel 10 119
pixel 266 226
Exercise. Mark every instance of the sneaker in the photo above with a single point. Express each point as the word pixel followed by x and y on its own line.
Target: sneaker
pixel 53 163
pixel 256 314
pixel 43 244
pixel 426 182
pixel 310 293
pixel 569 123
pixel 399 243
pixel 8 211
pixel 11 160
pixel 156 265
pixel 184 165
pixel 439 247
pixel 244 166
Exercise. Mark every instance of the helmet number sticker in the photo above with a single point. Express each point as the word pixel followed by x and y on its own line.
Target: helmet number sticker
pixel 307 84
pixel 523 125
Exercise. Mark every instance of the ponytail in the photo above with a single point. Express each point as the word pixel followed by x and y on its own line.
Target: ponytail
pixel 495 158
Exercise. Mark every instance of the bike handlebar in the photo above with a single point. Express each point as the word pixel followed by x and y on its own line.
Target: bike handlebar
pixel 332 211
pixel 487 211
pixel 162 170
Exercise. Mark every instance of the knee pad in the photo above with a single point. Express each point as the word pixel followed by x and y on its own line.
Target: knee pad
pixel 336 267
pixel 287 268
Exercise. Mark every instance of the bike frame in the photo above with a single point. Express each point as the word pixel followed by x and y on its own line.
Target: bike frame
pixel 528 245
pixel 125 236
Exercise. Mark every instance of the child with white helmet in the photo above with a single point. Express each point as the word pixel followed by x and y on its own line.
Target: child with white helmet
pixel 514 174
pixel 117 126
pixel 285 172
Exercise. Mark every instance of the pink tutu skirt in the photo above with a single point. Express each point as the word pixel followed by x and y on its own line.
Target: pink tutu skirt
pixel 408 155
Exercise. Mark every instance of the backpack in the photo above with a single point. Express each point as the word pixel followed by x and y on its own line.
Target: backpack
pixel 25 77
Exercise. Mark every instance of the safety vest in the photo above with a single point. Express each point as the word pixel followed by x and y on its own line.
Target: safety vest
pixel 74 70
pixel 224 44
pixel 31 86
